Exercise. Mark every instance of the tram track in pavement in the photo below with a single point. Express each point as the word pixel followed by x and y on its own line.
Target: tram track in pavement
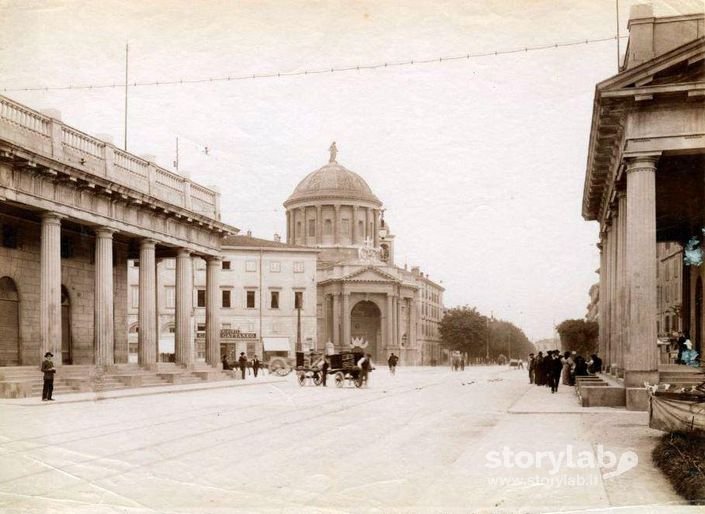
pixel 305 417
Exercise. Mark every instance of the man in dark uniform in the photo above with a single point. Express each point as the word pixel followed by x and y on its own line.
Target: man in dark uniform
pixel 255 365
pixel 48 370
pixel 242 361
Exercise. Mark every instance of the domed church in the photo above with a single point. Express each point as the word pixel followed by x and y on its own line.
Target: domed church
pixel 363 298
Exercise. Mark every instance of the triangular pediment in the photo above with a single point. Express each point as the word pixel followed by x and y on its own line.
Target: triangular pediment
pixel 370 274
pixel 681 66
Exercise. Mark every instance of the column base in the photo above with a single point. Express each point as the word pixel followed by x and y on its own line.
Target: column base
pixel 637 399
pixel 152 366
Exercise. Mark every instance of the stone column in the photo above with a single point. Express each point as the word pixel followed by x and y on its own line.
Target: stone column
pixel 103 301
pixel 375 228
pixel 213 267
pixel 319 226
pixel 50 287
pixel 304 233
pixel 389 336
pixel 641 354
pixel 346 320
pixel 397 312
pixel 354 235
pixel 602 310
pixel 288 227
pixel 412 325
pixel 336 320
pixel 366 232
pixel 609 239
pixel 147 311
pixel 336 224
pixel 614 323
pixel 622 305
pixel 183 338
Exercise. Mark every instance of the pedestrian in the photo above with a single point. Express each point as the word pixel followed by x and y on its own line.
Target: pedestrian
pixel 595 364
pixel 49 370
pixel 226 365
pixel 567 368
pixel 392 362
pixel 581 369
pixel 539 372
pixel 555 372
pixel 255 365
pixel 462 363
pixel 242 361
pixel 532 368
pixel 365 365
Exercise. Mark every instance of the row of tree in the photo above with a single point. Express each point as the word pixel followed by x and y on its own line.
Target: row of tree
pixel 467 330
pixel 578 335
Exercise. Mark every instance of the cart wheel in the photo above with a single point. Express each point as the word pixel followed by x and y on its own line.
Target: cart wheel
pixel 302 378
pixel 339 379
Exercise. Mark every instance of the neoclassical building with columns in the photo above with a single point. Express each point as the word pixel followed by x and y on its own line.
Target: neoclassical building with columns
pixel 645 184
pixel 73 210
pixel 364 299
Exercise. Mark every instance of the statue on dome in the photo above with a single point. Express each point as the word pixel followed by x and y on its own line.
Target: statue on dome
pixel 333 152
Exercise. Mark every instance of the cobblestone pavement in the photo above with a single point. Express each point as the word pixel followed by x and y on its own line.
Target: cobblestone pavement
pixel 425 440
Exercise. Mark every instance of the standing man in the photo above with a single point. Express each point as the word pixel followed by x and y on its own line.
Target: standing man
pixel 532 368
pixel 392 361
pixel 255 365
pixel 49 371
pixel 242 361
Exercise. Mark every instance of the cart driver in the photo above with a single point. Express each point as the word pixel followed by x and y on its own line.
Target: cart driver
pixel 322 364
pixel 365 365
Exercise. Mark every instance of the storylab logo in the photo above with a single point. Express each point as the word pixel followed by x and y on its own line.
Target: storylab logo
pixel 610 464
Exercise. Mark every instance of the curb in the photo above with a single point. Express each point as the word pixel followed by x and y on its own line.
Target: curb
pixel 136 392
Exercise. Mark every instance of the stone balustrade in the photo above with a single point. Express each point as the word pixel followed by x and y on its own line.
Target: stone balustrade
pixel 51 138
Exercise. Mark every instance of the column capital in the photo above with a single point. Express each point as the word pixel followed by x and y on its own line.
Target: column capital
pixel 52 217
pixel 148 243
pixel 212 260
pixel 105 232
pixel 183 252
pixel 643 162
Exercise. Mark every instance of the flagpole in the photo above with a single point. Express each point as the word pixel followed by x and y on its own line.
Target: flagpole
pixel 126 76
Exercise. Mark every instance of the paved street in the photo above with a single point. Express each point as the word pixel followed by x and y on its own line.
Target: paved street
pixel 415 442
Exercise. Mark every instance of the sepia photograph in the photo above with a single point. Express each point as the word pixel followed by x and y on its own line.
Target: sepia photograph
pixel 352 256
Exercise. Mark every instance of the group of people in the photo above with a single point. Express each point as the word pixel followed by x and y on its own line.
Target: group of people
pixel 686 354
pixel 552 369
pixel 243 363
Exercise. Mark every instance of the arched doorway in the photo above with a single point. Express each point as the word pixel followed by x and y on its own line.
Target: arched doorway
pixel 365 324
pixel 698 315
pixel 9 323
pixel 66 353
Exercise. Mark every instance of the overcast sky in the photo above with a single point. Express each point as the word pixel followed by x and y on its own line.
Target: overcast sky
pixel 480 163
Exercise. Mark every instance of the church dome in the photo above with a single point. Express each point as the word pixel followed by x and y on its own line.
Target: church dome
pixel 332 181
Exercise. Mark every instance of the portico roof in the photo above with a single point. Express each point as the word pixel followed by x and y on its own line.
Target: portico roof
pixel 678 75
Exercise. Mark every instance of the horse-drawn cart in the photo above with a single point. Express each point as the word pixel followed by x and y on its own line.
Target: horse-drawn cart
pixel 344 368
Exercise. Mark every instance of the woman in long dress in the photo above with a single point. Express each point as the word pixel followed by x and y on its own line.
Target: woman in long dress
pixel 567 366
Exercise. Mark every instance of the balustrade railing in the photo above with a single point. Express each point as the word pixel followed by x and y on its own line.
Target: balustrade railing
pixel 46 136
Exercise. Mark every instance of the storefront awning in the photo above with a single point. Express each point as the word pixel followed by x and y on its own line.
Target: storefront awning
pixel 276 344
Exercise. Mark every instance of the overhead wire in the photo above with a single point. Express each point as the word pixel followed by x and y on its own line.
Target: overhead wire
pixel 362 67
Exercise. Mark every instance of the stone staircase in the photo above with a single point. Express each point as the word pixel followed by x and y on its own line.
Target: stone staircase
pixel 680 376
pixel 27 381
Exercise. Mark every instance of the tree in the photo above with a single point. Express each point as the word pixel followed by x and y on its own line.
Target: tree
pixel 464 329
pixel 579 336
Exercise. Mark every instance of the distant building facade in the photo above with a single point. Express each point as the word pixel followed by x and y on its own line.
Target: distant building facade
pixel 363 298
pixel 262 285
pixel 669 273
